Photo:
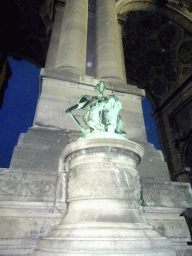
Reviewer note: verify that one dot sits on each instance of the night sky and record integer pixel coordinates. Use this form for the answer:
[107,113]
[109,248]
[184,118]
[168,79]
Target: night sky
[19,105]
[150,124]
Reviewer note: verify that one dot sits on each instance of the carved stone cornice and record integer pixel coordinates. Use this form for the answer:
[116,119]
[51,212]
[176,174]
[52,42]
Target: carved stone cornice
[167,194]
[19,186]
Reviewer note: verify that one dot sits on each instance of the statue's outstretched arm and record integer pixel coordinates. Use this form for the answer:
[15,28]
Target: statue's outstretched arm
[69,110]
[82,102]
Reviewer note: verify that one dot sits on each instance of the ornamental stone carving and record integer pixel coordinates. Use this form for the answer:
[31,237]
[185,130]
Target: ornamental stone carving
[157,52]
[185,52]
[27,185]
[166,194]
[119,183]
[169,35]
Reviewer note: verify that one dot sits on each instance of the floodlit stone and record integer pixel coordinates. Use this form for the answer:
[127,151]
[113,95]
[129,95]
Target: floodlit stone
[73,38]
[104,215]
[109,45]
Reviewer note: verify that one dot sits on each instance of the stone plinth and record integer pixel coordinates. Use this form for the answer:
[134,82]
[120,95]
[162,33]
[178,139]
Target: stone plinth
[163,207]
[103,214]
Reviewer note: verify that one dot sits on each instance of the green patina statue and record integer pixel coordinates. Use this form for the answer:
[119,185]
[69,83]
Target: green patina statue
[101,113]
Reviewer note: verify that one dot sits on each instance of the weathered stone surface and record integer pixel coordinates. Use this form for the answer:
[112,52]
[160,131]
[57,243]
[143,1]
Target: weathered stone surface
[103,215]
[30,206]
[54,40]
[67,76]
[109,47]
[23,220]
[153,167]
[112,185]
[168,222]
[35,158]
[39,150]
[163,203]
[21,190]
[167,194]
[71,53]
[184,252]
[49,184]
[17,186]
[175,229]
[43,138]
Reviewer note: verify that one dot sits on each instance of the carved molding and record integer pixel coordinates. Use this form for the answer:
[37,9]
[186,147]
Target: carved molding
[111,151]
[185,51]
[172,228]
[177,195]
[120,182]
[27,185]
[184,253]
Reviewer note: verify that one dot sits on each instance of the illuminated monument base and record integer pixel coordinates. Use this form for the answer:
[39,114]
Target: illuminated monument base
[104,214]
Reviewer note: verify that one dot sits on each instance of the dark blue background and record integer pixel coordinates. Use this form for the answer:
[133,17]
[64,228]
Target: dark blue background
[17,112]
[150,124]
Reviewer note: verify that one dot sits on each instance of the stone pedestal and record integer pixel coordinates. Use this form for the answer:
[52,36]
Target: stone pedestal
[103,216]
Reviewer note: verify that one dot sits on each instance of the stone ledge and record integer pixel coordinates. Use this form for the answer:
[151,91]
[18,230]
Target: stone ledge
[88,80]
[167,194]
[27,187]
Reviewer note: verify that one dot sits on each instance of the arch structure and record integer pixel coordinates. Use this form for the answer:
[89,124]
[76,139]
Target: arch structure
[157,41]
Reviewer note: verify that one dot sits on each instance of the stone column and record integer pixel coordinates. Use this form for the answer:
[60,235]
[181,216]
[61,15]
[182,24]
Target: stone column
[71,53]
[109,46]
[103,216]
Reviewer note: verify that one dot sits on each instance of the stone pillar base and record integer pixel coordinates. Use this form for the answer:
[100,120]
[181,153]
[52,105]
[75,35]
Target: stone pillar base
[103,216]
[70,69]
